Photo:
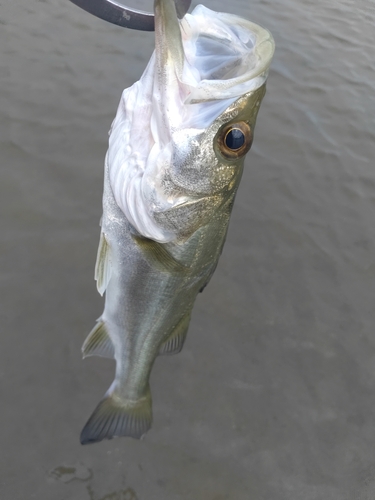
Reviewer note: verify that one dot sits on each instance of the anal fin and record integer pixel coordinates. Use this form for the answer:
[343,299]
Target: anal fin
[98,343]
[103,268]
[115,417]
[175,342]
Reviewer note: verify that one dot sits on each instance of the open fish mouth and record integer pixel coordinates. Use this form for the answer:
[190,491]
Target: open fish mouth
[214,56]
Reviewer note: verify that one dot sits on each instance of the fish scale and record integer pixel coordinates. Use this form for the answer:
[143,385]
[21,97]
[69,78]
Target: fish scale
[171,176]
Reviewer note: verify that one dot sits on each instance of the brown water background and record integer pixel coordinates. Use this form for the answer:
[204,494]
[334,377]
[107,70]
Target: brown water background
[273,395]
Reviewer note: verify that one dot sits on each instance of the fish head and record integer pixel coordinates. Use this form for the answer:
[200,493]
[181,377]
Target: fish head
[182,132]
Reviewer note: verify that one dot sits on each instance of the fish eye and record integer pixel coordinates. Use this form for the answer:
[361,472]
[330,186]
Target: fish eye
[234,140]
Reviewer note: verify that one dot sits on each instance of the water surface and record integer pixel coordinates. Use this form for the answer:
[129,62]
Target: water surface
[273,396]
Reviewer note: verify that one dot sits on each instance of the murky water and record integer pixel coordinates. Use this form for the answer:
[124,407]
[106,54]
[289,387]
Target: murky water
[273,396]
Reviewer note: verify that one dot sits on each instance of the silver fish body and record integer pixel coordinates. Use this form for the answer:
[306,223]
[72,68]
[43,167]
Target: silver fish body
[174,163]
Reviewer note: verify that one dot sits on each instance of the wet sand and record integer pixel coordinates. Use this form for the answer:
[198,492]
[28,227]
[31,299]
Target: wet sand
[273,395]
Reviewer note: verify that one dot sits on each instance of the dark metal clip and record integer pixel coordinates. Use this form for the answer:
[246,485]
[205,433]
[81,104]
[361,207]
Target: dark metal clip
[115,13]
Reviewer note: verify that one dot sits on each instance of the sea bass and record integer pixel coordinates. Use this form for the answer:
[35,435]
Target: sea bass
[172,170]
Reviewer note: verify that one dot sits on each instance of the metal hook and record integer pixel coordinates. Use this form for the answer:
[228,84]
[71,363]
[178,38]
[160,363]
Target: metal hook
[115,13]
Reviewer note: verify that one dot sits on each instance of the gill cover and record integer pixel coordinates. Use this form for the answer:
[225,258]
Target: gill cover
[161,155]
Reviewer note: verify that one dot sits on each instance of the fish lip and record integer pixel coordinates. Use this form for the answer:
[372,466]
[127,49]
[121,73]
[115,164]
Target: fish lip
[168,40]
[169,89]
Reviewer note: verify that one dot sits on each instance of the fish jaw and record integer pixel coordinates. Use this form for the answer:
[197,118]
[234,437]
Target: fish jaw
[169,50]
[168,90]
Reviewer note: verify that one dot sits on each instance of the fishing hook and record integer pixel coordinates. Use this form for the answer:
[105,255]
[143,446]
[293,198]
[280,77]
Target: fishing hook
[116,13]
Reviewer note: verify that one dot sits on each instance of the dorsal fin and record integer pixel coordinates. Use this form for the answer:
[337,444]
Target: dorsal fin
[103,268]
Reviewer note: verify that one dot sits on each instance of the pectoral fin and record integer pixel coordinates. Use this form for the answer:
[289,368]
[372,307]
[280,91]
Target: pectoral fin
[103,267]
[158,256]
[98,343]
[175,342]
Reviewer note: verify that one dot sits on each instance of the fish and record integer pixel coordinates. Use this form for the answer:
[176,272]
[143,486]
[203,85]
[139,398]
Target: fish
[172,170]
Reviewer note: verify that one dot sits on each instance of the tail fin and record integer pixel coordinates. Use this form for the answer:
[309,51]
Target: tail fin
[114,417]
